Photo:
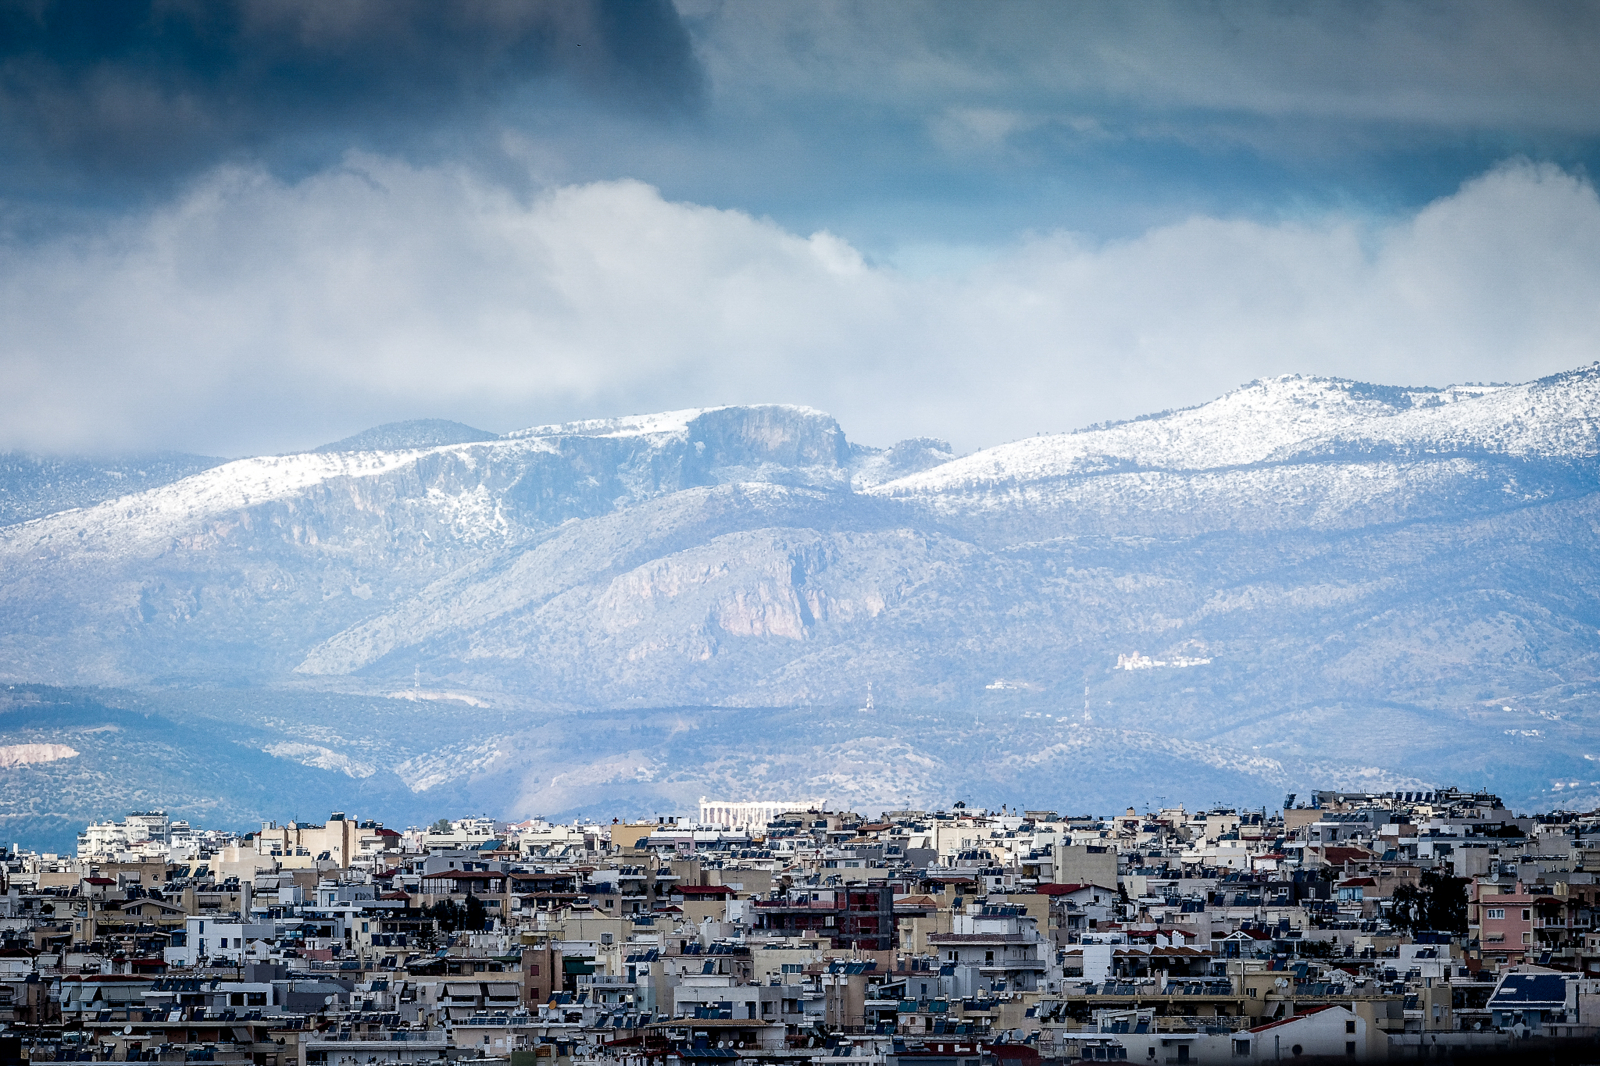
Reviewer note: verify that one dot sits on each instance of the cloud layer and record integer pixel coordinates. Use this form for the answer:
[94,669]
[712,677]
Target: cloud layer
[255,314]
[891,124]
[131,91]
[1474,63]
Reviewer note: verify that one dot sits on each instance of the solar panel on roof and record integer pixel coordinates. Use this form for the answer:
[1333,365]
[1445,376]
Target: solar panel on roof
[1530,990]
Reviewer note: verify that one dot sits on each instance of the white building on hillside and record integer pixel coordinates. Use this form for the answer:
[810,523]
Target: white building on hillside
[750,814]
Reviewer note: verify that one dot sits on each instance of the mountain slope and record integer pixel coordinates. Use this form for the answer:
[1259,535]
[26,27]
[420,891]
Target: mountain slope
[1300,565]
[32,486]
[418,433]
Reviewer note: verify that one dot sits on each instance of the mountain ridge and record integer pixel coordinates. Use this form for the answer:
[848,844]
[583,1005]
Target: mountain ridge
[417,433]
[754,557]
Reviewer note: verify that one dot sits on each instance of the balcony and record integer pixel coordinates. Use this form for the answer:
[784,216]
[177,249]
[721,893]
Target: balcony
[1012,966]
[503,1021]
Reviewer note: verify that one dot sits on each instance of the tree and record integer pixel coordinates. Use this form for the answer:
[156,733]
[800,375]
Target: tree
[1448,912]
[476,917]
[441,826]
[447,915]
[1437,902]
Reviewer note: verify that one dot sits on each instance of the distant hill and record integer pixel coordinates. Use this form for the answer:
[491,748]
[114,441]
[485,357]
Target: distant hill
[418,433]
[1328,583]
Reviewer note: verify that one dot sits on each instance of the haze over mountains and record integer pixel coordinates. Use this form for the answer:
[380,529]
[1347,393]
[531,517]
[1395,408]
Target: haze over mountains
[1325,582]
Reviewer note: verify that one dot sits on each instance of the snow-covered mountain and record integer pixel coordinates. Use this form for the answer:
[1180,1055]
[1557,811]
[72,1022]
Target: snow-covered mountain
[1303,565]
[32,486]
[1290,453]
[1296,419]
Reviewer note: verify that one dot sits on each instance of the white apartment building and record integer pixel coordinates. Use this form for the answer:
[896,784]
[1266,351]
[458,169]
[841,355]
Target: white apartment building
[215,938]
[750,814]
[139,828]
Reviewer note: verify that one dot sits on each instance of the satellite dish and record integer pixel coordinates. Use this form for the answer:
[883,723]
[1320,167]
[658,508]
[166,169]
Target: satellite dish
[126,1030]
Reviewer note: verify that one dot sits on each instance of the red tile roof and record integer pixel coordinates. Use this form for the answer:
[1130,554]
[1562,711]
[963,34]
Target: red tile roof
[1339,856]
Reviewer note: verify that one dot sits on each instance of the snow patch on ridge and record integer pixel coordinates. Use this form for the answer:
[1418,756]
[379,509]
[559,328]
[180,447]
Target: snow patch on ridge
[416,695]
[168,511]
[624,426]
[662,422]
[157,517]
[1297,418]
[448,764]
[315,755]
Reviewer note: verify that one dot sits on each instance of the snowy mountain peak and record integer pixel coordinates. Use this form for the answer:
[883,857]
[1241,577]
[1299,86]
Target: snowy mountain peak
[621,426]
[663,422]
[495,490]
[1296,418]
[1288,391]
[418,433]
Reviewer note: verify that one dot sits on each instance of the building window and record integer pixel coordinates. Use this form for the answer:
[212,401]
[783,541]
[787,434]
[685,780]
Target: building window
[1527,915]
[1350,1026]
[1496,914]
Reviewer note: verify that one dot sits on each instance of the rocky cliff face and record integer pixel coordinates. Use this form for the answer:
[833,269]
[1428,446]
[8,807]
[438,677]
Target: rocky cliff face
[1302,564]
[225,574]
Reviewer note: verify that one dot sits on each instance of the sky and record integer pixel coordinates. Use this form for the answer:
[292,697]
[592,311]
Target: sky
[233,227]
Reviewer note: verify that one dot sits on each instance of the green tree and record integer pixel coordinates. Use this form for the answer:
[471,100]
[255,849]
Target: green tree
[1407,906]
[476,917]
[447,915]
[441,826]
[1447,910]
[1437,902]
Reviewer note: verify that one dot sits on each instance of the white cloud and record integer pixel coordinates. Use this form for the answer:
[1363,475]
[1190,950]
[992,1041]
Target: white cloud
[983,128]
[260,315]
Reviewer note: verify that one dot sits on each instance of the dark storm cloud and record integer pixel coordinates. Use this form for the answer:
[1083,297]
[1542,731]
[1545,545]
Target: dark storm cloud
[231,226]
[142,89]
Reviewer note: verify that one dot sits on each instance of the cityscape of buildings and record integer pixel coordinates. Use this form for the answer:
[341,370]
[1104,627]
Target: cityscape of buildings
[1351,926]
